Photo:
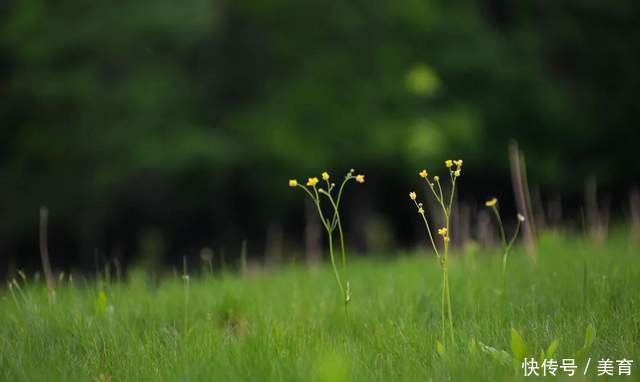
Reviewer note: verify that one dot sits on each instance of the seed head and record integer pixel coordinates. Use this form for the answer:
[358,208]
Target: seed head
[521,217]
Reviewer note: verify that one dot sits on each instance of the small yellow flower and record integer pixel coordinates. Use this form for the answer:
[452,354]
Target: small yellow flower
[360,178]
[446,238]
[420,210]
[436,178]
[456,173]
[413,195]
[312,181]
[293,183]
[443,231]
[325,176]
[491,202]
[423,174]
[521,217]
[458,162]
[448,163]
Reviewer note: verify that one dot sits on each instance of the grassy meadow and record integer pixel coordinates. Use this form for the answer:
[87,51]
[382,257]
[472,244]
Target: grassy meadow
[290,323]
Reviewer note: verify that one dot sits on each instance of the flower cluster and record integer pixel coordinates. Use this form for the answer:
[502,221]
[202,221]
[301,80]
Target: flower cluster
[446,203]
[332,222]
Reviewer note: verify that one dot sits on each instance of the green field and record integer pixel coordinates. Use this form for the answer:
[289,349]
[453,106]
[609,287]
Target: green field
[290,324]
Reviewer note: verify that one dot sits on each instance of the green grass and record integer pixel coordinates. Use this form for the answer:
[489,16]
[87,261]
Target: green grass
[290,324]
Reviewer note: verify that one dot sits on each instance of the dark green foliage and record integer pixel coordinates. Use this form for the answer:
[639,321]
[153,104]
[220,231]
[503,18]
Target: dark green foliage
[182,110]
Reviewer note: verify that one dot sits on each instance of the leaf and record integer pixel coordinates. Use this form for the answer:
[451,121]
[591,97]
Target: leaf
[589,337]
[101,304]
[518,346]
[542,356]
[473,346]
[551,350]
[440,348]
[499,355]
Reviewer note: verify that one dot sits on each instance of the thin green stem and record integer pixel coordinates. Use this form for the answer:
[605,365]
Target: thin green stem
[315,197]
[453,191]
[319,208]
[342,249]
[339,197]
[337,222]
[505,256]
[441,194]
[185,277]
[426,223]
[433,190]
[444,292]
[333,265]
[501,226]
[515,236]
[446,273]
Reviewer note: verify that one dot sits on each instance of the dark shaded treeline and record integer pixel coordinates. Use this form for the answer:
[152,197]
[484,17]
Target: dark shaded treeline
[151,127]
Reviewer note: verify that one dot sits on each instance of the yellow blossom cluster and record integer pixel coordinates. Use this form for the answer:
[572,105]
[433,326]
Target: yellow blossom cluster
[313,181]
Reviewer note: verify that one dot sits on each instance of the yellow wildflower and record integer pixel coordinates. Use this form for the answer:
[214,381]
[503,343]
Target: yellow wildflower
[293,183]
[325,176]
[491,202]
[443,231]
[360,178]
[458,162]
[420,210]
[436,178]
[412,195]
[312,181]
[456,173]
[448,163]
[423,173]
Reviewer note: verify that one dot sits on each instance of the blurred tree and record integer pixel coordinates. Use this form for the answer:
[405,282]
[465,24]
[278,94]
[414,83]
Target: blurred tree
[188,118]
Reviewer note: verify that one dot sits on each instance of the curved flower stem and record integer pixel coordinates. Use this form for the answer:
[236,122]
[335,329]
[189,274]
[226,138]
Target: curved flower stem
[453,191]
[503,237]
[445,270]
[426,223]
[447,208]
[329,228]
[507,249]
[335,269]
[342,250]
[442,305]
[433,190]
[448,289]
[441,194]
[337,223]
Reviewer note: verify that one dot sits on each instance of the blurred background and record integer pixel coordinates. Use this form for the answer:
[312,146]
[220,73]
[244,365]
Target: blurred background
[155,131]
